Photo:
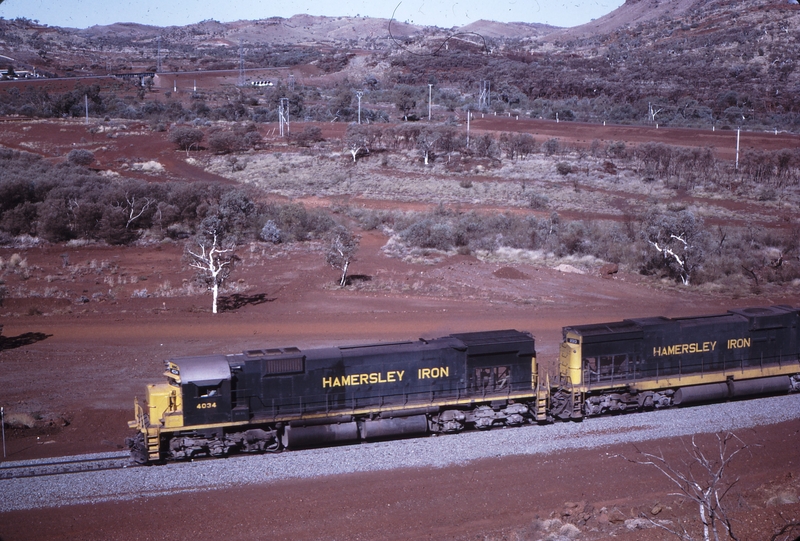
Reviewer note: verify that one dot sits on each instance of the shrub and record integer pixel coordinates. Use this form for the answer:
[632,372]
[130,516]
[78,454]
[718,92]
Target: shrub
[539,201]
[185,138]
[80,156]
[252,139]
[307,137]
[296,223]
[271,232]
[429,234]
[563,168]
[551,146]
[225,142]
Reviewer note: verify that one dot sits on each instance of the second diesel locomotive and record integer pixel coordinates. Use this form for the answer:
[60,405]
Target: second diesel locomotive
[661,362]
[271,399]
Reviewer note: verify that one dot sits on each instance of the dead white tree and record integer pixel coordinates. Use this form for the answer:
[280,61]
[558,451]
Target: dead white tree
[652,112]
[135,208]
[214,262]
[359,138]
[668,252]
[355,148]
[701,478]
[426,143]
[342,247]
[678,238]
[357,144]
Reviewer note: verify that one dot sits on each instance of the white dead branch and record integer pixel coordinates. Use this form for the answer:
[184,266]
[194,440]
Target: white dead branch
[702,480]
[212,261]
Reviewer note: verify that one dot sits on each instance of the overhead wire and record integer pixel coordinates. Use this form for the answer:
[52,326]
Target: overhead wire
[440,47]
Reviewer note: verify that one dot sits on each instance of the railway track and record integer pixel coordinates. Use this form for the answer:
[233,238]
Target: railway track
[65,465]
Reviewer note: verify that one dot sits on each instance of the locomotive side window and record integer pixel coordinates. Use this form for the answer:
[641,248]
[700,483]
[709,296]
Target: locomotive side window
[590,368]
[606,367]
[207,392]
[491,379]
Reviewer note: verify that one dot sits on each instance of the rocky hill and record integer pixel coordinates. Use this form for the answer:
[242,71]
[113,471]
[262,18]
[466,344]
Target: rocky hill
[683,62]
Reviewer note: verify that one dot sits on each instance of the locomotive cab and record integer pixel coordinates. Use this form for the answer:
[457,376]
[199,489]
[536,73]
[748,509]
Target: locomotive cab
[205,389]
[570,359]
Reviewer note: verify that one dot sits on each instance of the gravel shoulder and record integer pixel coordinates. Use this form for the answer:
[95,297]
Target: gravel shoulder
[432,452]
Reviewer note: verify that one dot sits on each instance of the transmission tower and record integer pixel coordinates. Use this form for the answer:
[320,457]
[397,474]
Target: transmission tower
[485,98]
[283,115]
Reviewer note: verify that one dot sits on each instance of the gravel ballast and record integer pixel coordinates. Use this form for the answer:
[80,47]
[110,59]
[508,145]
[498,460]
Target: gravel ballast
[425,452]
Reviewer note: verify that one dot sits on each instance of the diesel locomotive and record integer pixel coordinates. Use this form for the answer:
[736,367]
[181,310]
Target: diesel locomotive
[286,398]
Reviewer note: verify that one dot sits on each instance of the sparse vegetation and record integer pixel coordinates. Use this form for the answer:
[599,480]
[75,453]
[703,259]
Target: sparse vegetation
[68,202]
[551,177]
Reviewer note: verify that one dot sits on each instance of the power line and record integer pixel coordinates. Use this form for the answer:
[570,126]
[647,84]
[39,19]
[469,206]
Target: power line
[440,47]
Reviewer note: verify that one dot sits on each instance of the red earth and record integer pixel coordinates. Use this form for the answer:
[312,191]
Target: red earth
[77,366]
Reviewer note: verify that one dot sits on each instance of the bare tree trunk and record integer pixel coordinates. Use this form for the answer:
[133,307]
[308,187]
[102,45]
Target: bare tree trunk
[343,281]
[214,296]
[704,520]
[214,263]
[701,480]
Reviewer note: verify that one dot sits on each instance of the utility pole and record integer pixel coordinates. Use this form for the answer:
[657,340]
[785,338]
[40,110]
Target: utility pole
[86,104]
[738,132]
[158,56]
[468,115]
[430,97]
[3,424]
[241,63]
[359,93]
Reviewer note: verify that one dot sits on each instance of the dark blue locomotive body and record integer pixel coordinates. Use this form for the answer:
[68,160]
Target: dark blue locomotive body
[662,362]
[294,398]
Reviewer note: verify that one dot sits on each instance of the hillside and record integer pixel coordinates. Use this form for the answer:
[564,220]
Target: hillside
[634,12]
[698,63]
